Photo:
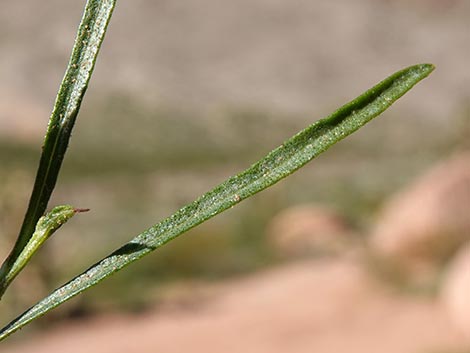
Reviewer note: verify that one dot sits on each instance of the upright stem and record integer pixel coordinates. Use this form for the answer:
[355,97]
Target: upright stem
[90,35]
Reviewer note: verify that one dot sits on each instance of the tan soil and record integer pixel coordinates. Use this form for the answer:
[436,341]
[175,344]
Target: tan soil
[323,306]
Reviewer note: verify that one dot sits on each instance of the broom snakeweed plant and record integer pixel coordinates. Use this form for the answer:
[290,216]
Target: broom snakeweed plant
[279,163]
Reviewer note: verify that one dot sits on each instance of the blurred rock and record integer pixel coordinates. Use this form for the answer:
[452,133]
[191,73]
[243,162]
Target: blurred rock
[422,226]
[456,291]
[307,229]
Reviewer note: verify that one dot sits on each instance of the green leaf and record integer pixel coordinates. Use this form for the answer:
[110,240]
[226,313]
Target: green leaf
[71,92]
[284,160]
[45,227]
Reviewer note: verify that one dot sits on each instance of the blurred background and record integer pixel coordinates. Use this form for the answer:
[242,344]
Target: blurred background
[361,250]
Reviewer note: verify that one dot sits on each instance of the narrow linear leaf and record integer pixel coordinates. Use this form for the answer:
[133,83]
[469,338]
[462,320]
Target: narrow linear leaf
[46,226]
[90,35]
[278,164]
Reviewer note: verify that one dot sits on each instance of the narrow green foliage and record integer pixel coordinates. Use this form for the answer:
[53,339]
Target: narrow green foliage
[278,164]
[45,227]
[74,84]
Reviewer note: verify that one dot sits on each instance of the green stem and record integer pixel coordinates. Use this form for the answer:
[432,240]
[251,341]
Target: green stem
[71,92]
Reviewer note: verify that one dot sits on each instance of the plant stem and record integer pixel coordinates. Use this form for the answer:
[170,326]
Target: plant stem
[90,35]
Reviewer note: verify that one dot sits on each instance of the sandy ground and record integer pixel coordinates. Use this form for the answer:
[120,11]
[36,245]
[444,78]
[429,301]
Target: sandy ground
[286,56]
[328,306]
